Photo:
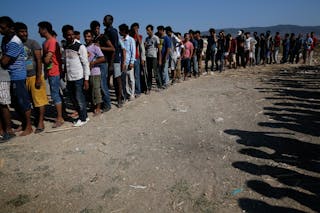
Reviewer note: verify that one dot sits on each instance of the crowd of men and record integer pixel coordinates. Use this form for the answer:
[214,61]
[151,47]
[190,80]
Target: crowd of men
[123,56]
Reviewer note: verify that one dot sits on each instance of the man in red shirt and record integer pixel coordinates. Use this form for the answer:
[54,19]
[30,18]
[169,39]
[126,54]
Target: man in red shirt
[53,67]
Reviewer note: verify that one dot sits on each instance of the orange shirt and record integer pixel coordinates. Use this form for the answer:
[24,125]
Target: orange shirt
[51,45]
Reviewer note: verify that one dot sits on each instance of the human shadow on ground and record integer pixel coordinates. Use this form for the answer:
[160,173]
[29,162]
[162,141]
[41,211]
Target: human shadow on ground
[285,161]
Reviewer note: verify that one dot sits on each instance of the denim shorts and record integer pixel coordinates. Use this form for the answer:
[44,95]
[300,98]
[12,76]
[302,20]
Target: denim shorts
[54,83]
[116,70]
[20,96]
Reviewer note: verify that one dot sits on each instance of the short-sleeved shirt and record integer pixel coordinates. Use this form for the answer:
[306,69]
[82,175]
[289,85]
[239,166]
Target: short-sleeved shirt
[112,33]
[94,52]
[152,46]
[14,49]
[51,45]
[188,46]
[29,47]
[102,39]
[165,43]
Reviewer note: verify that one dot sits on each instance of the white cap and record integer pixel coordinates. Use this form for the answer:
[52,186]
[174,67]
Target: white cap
[239,32]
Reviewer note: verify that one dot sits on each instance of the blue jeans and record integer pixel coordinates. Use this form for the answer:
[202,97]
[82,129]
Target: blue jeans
[195,64]
[164,73]
[104,85]
[54,83]
[137,76]
[77,94]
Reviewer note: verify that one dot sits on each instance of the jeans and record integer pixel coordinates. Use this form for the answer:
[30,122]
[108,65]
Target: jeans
[195,65]
[210,56]
[137,76]
[164,73]
[104,85]
[77,94]
[54,83]
[185,65]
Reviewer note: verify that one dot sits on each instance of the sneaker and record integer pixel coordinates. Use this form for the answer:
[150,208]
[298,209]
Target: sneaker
[80,123]
[131,98]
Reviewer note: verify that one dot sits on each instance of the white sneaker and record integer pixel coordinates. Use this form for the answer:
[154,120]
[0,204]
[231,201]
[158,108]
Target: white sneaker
[79,123]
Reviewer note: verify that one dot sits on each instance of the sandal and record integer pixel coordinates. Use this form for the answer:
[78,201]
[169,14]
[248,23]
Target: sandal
[57,124]
[38,130]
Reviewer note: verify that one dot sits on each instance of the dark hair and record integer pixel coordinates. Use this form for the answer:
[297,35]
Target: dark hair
[54,33]
[160,28]
[212,30]
[185,34]
[149,26]
[20,26]
[66,28]
[76,32]
[134,25]
[94,24]
[197,32]
[46,25]
[124,28]
[87,31]
[191,32]
[109,17]
[168,29]
[7,20]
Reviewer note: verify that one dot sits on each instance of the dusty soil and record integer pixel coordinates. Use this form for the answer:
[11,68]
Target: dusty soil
[239,141]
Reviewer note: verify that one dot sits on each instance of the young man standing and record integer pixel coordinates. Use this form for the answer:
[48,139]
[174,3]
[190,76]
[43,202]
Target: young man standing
[96,57]
[13,59]
[35,83]
[211,50]
[114,60]
[53,67]
[107,49]
[199,51]
[277,42]
[152,43]
[163,59]
[78,72]
[130,47]
[187,52]
[173,56]
[140,57]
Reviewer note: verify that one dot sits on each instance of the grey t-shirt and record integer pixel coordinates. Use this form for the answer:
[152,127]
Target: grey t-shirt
[152,46]
[29,47]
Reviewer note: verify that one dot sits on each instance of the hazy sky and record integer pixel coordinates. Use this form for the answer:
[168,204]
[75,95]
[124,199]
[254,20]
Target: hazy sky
[181,15]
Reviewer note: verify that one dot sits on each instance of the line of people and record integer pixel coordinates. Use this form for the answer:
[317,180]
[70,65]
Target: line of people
[131,62]
[244,49]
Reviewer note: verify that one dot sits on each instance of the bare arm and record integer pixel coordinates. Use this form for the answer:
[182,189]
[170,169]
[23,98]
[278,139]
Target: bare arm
[37,57]
[5,61]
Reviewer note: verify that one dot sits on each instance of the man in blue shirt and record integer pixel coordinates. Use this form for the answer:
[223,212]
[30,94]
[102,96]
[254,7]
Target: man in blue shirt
[130,47]
[163,59]
[13,59]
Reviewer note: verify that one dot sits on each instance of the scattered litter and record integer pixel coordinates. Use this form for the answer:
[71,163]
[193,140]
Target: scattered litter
[181,203]
[218,120]
[236,191]
[138,186]
[164,121]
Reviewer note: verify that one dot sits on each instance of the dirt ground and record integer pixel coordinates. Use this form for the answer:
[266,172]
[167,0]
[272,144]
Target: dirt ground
[237,141]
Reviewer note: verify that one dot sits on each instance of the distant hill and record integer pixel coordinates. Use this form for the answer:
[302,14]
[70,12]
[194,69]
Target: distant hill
[282,29]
